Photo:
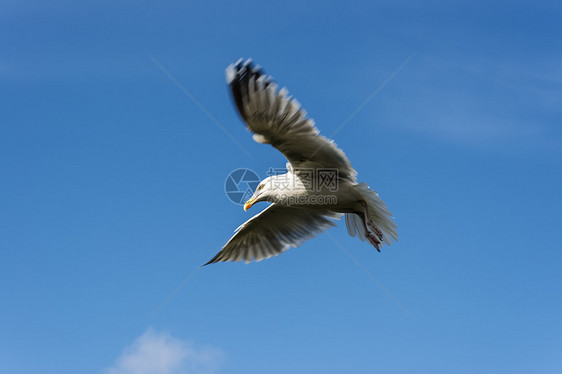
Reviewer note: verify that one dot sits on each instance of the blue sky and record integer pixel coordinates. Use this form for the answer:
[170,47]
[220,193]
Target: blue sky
[112,188]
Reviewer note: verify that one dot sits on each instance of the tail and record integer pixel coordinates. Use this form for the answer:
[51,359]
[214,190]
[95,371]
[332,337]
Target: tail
[378,213]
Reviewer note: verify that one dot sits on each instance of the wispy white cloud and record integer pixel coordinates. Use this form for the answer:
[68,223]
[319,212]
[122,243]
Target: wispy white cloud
[482,102]
[160,353]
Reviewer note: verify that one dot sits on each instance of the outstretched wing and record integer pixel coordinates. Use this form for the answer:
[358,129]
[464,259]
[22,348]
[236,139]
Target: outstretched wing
[277,119]
[273,231]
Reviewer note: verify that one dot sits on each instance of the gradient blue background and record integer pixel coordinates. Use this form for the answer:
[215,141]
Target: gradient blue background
[112,185]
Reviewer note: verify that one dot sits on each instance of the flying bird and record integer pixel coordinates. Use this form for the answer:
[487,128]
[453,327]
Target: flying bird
[320,184]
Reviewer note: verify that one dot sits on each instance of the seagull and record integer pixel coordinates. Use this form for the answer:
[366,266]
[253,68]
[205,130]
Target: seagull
[320,185]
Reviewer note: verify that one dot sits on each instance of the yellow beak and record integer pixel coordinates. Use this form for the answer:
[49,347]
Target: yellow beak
[249,203]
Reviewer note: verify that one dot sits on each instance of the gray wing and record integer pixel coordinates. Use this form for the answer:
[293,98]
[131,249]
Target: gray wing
[277,119]
[273,231]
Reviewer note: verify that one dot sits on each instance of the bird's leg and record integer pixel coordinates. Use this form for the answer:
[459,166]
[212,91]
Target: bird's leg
[372,232]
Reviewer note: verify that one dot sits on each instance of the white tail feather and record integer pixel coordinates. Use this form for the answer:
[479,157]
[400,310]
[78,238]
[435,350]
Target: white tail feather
[355,226]
[378,213]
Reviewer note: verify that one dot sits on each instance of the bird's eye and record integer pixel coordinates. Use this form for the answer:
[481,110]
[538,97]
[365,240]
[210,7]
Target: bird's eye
[260,187]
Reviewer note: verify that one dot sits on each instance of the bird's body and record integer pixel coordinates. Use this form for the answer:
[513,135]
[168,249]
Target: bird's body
[338,199]
[319,186]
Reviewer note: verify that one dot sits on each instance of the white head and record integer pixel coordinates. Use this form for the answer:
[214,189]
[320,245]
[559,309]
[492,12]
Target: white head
[264,192]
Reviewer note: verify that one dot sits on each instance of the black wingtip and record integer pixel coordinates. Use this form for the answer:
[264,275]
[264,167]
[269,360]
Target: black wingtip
[237,71]
[238,77]
[213,260]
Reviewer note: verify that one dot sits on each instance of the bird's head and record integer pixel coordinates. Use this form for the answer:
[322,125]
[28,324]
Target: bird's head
[263,192]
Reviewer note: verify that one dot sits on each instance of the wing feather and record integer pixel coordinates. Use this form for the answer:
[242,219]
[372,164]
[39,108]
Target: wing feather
[273,231]
[278,119]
